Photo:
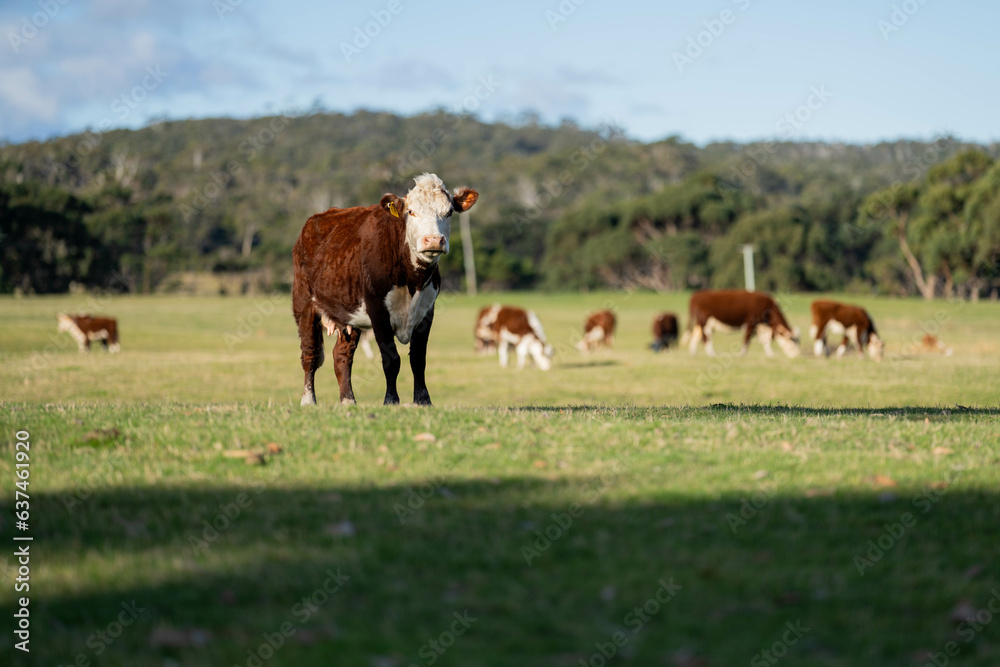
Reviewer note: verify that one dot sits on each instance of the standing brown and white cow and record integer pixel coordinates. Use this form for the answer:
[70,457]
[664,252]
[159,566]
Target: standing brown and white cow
[373,267]
[751,312]
[598,330]
[854,323]
[665,331]
[512,327]
[85,328]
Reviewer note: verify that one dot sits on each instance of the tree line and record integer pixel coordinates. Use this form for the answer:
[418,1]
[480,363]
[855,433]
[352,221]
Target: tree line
[563,207]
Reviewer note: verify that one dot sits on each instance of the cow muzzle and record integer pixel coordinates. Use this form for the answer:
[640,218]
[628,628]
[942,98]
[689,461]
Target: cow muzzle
[433,244]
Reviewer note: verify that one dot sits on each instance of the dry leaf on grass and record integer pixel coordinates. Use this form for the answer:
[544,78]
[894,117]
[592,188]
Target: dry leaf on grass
[274,448]
[941,451]
[425,437]
[882,480]
[492,445]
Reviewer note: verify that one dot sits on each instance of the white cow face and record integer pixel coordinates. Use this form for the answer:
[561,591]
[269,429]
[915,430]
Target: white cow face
[427,210]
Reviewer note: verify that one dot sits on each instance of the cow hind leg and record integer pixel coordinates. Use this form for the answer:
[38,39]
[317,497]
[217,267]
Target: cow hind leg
[311,344]
[819,340]
[748,332]
[696,335]
[343,362]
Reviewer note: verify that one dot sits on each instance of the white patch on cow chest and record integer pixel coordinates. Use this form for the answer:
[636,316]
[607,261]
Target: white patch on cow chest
[359,318]
[406,311]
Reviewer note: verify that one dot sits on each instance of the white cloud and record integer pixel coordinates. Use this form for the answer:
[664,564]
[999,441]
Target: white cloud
[20,90]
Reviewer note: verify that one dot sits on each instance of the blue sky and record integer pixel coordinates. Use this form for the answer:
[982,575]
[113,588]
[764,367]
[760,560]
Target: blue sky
[845,70]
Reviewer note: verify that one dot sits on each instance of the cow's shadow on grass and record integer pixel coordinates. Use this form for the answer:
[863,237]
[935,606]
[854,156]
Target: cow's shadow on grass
[377,575]
[595,363]
[731,410]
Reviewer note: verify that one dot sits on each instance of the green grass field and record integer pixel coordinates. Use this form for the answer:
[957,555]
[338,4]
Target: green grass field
[623,507]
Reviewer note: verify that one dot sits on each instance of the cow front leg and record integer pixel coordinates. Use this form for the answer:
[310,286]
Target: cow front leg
[418,358]
[387,346]
[522,352]
[343,362]
[766,335]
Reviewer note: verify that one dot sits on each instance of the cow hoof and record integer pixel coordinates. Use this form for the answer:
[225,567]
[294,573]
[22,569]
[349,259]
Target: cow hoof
[348,401]
[308,399]
[391,400]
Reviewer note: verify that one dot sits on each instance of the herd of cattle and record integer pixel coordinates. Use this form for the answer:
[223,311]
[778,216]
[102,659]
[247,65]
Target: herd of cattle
[502,328]
[374,269]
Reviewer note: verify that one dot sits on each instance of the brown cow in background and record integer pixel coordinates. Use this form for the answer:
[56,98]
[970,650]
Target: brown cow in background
[598,330]
[930,343]
[373,267]
[85,328]
[730,310]
[854,323]
[665,331]
[512,327]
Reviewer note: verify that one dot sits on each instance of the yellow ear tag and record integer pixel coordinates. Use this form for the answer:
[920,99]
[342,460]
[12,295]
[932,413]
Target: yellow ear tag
[392,209]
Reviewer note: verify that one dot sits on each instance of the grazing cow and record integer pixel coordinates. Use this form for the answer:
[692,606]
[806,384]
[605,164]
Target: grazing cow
[85,328]
[728,310]
[665,331]
[854,323]
[930,344]
[515,327]
[486,343]
[598,330]
[373,267]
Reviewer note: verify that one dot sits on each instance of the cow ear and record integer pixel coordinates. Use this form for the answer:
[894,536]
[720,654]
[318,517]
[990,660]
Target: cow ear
[465,198]
[393,204]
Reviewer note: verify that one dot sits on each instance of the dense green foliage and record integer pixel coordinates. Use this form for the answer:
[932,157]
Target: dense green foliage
[561,207]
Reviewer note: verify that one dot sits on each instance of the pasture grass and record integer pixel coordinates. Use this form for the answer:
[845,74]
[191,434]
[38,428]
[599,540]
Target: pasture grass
[752,484]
